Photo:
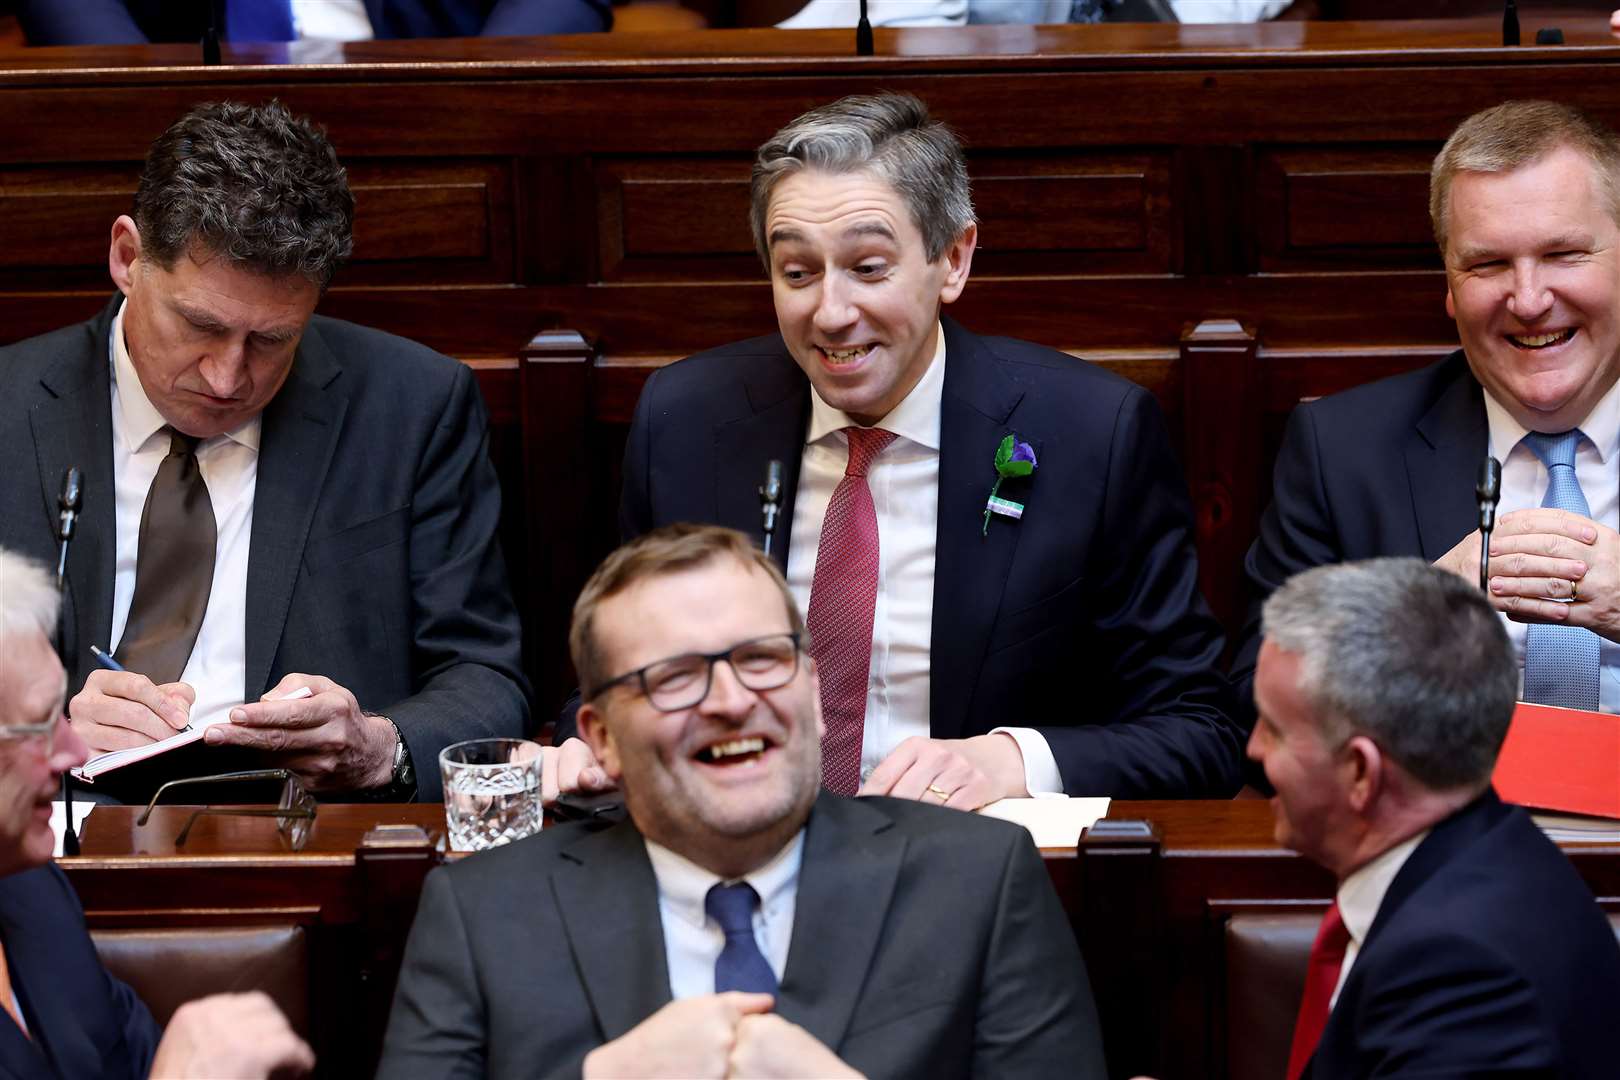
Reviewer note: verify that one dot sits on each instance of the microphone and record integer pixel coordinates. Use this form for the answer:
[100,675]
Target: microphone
[863,34]
[210,41]
[1487,489]
[1510,24]
[68,503]
[770,500]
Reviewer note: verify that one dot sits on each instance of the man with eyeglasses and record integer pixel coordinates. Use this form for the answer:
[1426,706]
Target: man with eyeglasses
[64,1014]
[742,922]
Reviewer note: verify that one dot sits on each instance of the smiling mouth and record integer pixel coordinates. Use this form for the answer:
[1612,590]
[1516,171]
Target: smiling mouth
[843,357]
[739,751]
[1540,341]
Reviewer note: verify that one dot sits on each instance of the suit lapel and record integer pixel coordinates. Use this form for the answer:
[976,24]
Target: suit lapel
[300,430]
[607,897]
[57,1043]
[1442,459]
[970,566]
[779,400]
[74,427]
[850,851]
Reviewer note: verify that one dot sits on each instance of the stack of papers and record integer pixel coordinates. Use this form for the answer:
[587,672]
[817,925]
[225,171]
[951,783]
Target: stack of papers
[1567,828]
[1053,820]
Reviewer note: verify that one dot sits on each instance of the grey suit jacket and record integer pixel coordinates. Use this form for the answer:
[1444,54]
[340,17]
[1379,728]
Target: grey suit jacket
[373,556]
[926,942]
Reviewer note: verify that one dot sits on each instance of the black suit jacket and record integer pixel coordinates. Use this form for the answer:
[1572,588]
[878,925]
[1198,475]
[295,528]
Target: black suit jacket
[373,556]
[82,1022]
[1082,620]
[1488,958]
[134,22]
[926,943]
[1383,469]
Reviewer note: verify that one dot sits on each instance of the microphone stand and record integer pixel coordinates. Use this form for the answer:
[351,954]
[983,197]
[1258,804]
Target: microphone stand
[1488,490]
[1510,23]
[68,504]
[863,34]
[210,41]
[770,500]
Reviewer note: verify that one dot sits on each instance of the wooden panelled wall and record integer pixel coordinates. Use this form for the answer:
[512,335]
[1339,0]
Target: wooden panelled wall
[1132,182]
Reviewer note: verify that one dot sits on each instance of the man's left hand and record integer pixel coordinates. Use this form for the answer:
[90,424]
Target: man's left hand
[771,1048]
[960,773]
[324,738]
[1533,599]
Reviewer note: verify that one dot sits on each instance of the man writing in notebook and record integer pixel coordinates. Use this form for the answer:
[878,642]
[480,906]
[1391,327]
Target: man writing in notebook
[274,502]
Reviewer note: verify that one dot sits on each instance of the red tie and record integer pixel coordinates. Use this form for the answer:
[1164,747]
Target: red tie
[843,597]
[1327,956]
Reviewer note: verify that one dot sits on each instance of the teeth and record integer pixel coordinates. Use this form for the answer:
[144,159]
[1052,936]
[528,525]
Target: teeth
[844,356]
[1537,341]
[734,748]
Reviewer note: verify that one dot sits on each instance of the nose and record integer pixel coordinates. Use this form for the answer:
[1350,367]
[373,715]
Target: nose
[1252,748]
[728,698]
[224,368]
[834,310]
[68,748]
[1530,299]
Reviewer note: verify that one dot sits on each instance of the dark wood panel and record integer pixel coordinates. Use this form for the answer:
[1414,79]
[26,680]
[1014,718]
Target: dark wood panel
[1359,207]
[674,217]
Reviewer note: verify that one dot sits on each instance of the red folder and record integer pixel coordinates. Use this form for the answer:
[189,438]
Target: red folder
[1561,759]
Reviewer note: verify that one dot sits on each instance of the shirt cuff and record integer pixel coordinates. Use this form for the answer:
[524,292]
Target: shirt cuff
[1041,774]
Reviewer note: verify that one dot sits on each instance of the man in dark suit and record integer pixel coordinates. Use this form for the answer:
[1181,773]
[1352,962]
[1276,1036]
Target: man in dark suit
[348,542]
[1028,616]
[1461,942]
[1524,212]
[742,922]
[64,1015]
[135,22]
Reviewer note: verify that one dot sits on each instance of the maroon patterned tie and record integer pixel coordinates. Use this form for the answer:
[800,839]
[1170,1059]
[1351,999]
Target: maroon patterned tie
[843,597]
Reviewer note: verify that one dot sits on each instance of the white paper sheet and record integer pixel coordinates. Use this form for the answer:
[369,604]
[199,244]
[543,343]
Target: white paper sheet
[1053,820]
[81,810]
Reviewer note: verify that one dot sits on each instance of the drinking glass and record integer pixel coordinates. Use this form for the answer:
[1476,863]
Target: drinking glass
[491,792]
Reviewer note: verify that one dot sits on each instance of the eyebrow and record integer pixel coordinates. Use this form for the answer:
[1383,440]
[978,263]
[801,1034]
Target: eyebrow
[197,317]
[786,234]
[1563,242]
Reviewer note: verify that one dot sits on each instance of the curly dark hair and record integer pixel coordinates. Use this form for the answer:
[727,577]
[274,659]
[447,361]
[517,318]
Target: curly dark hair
[256,184]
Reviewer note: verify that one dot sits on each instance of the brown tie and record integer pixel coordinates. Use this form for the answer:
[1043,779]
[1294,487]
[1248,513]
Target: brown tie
[174,567]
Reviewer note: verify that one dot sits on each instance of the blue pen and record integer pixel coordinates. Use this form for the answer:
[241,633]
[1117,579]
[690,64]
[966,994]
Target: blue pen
[106,661]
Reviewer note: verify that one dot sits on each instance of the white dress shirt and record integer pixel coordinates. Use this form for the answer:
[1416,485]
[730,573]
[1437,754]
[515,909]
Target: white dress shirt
[1524,485]
[692,940]
[904,480]
[1360,896]
[331,20]
[229,464]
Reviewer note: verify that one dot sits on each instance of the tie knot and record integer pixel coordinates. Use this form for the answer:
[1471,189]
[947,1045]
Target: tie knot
[1555,449]
[865,443]
[181,443]
[732,906]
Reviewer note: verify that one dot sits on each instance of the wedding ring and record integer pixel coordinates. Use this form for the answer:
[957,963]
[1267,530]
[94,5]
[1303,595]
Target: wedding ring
[1574,591]
[941,792]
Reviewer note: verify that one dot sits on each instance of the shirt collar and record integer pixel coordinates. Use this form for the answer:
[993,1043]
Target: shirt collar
[683,885]
[1601,426]
[915,418]
[140,418]
[1363,891]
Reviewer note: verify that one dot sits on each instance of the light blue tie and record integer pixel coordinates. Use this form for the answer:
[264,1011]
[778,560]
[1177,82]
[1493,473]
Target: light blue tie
[1561,662]
[259,20]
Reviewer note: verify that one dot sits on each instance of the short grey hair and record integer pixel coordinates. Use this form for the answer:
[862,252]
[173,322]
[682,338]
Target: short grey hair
[28,597]
[889,135]
[1514,134]
[1410,656]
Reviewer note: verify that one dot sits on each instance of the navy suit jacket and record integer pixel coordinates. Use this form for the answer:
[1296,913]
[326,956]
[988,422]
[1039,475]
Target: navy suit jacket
[82,1022]
[135,22]
[1383,469]
[1488,958]
[926,943]
[1082,620]
[373,557]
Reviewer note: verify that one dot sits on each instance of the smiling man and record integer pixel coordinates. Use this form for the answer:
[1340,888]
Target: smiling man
[1525,201]
[1460,942]
[742,922]
[1050,639]
[273,500]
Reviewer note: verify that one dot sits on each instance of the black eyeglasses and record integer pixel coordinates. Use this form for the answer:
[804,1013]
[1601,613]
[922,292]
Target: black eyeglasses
[294,814]
[680,682]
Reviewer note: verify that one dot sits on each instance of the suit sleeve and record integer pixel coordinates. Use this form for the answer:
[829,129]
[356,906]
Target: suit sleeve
[1036,1016]
[436,1028]
[520,18]
[1162,724]
[466,653]
[82,22]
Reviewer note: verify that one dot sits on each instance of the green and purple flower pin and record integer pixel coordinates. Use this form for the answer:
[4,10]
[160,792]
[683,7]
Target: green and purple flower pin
[1013,458]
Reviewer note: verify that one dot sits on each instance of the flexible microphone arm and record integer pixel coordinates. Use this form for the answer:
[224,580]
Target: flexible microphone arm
[1510,23]
[770,500]
[68,503]
[863,34]
[1487,489]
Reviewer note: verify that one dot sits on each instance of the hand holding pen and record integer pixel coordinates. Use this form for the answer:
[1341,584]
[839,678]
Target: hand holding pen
[118,709]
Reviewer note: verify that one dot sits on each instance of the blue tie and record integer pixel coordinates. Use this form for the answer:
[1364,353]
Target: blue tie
[741,966]
[1561,662]
[259,20]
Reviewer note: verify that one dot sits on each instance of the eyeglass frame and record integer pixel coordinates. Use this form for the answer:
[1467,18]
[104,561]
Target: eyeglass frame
[640,674]
[24,732]
[296,804]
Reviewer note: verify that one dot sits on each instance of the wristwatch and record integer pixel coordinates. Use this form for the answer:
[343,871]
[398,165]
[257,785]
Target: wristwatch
[401,786]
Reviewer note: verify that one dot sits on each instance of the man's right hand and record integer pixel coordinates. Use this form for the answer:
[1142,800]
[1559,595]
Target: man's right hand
[570,769]
[120,709]
[1540,550]
[690,1038]
[229,1037]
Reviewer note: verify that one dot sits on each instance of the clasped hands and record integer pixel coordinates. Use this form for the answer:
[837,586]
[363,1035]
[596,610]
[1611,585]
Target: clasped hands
[1548,566]
[716,1036]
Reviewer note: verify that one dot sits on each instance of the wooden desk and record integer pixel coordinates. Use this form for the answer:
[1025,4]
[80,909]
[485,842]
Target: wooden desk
[1149,911]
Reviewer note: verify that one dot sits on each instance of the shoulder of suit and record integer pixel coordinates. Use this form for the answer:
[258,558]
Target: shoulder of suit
[938,825]
[537,854]
[1400,399]
[33,357]
[363,349]
[1053,369]
[737,358]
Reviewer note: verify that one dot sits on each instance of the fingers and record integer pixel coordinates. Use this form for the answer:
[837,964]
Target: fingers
[929,770]
[121,709]
[321,707]
[1544,520]
[1548,588]
[739,1003]
[1531,610]
[892,768]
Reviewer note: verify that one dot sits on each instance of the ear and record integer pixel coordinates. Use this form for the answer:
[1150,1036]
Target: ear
[959,263]
[593,728]
[124,252]
[1365,770]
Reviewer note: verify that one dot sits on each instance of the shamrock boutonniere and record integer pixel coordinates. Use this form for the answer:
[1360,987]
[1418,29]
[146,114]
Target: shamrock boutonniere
[1013,458]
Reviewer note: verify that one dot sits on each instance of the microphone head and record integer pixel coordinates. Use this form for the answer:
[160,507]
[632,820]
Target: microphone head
[72,496]
[1489,485]
[773,480]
